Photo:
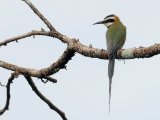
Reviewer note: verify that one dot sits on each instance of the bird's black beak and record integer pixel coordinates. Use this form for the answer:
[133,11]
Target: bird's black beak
[100,22]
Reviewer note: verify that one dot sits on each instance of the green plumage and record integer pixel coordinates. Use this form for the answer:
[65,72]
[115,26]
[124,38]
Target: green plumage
[115,36]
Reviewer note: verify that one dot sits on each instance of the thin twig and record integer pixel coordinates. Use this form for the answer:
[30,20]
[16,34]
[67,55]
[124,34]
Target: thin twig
[2,85]
[6,107]
[50,79]
[37,12]
[20,37]
[40,95]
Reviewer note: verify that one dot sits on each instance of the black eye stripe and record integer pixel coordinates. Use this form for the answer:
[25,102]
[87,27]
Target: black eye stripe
[109,20]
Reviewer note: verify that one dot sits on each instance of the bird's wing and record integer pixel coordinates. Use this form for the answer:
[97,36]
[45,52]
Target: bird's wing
[115,44]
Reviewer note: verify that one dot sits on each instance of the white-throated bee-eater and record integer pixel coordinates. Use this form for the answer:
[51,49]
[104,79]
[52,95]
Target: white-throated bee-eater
[115,39]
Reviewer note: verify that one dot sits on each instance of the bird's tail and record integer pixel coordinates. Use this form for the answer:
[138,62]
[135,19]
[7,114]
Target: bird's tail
[110,75]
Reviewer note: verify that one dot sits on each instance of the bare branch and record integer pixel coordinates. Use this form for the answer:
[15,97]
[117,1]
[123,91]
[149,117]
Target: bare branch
[6,107]
[43,73]
[141,52]
[50,79]
[59,64]
[29,34]
[146,52]
[132,53]
[39,94]
[36,11]
[56,34]
[75,45]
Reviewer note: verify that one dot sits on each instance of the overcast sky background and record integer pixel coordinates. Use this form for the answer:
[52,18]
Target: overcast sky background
[82,89]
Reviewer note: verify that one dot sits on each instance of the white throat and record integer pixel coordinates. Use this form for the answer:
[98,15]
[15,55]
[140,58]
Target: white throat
[108,24]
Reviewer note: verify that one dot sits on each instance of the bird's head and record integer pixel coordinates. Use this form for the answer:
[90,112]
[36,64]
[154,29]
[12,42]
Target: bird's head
[108,20]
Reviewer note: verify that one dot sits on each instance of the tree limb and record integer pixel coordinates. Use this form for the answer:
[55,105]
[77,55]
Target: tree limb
[36,11]
[76,46]
[73,46]
[96,53]
[20,37]
[43,73]
[6,107]
[40,95]
[50,79]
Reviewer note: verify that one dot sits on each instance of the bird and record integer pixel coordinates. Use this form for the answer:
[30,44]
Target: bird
[115,39]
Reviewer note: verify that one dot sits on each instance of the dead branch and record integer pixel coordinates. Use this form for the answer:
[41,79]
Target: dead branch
[36,11]
[40,95]
[20,37]
[96,53]
[6,107]
[43,73]
[50,79]
[73,46]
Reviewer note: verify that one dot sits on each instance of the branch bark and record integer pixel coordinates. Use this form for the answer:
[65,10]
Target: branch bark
[36,11]
[73,46]
[45,72]
[42,97]
[6,107]
[20,37]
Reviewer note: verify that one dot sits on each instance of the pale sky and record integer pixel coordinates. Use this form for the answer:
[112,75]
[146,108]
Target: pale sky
[82,89]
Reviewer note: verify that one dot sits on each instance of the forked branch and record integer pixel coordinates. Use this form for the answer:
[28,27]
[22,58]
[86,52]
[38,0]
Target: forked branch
[45,72]
[73,46]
